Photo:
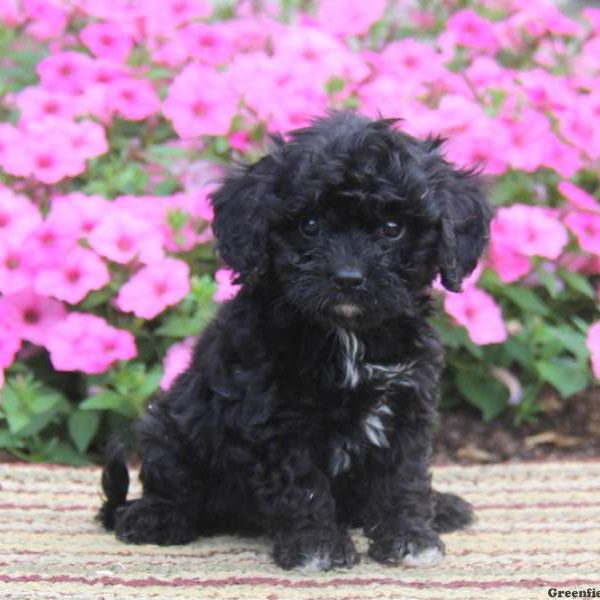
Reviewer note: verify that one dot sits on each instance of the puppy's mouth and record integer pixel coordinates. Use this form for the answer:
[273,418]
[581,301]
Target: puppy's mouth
[346,310]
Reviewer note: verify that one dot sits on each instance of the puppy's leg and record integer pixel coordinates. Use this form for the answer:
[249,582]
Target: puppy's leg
[399,518]
[295,499]
[399,513]
[167,513]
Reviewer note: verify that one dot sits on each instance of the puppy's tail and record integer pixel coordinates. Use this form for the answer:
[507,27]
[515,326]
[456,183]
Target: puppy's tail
[115,483]
[451,512]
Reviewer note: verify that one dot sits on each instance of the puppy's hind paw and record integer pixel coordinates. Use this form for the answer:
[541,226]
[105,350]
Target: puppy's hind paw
[153,521]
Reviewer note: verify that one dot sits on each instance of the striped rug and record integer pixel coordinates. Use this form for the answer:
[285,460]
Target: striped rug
[538,528]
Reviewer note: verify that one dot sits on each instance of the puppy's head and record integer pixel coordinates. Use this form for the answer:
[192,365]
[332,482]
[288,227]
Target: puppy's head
[351,220]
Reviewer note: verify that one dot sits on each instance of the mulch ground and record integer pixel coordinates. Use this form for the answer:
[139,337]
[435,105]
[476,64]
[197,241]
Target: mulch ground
[564,430]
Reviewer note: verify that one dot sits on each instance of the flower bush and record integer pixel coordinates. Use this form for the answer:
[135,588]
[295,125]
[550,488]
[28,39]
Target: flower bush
[118,118]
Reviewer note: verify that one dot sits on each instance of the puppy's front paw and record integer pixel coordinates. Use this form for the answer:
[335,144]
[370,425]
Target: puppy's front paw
[425,549]
[314,553]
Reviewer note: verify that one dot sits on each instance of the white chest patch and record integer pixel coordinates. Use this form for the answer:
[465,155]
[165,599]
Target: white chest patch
[374,425]
[382,377]
[352,353]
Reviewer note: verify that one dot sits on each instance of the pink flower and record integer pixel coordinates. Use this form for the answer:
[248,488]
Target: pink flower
[200,102]
[410,58]
[472,31]
[564,159]
[485,144]
[170,14]
[32,316]
[154,288]
[18,217]
[226,289]
[586,227]
[240,141]
[529,230]
[15,158]
[133,99]
[53,158]
[121,238]
[529,136]
[16,268]
[10,13]
[48,244]
[509,264]
[593,344]
[578,198]
[10,343]
[46,19]
[84,342]
[316,58]
[68,72]
[77,213]
[107,40]
[348,17]
[592,15]
[87,139]
[210,44]
[106,71]
[177,359]
[477,311]
[578,127]
[37,103]
[80,272]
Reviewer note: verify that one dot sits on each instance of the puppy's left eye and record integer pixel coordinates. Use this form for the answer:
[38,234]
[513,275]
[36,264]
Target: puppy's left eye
[392,230]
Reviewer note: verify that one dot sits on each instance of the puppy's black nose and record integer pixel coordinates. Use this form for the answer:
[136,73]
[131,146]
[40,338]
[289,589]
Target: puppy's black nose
[348,277]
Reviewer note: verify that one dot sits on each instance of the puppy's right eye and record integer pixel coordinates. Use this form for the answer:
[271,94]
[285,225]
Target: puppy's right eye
[310,226]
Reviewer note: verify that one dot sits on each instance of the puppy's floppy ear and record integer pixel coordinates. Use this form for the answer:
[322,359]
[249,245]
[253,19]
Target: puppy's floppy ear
[240,224]
[464,225]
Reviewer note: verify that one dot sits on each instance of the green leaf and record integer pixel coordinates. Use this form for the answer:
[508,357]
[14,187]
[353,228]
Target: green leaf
[525,299]
[578,283]
[565,374]
[108,400]
[572,340]
[483,392]
[182,327]
[83,426]
[150,383]
[64,454]
[519,350]
[97,298]
[15,413]
[221,145]
[549,281]
[334,85]
[456,336]
[167,186]
[9,441]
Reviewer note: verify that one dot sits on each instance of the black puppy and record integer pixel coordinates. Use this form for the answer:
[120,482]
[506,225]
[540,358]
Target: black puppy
[310,402]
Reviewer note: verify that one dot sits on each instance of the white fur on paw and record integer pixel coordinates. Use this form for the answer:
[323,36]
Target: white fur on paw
[429,557]
[316,562]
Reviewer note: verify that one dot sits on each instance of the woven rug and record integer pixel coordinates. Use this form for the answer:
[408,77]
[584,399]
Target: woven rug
[538,528]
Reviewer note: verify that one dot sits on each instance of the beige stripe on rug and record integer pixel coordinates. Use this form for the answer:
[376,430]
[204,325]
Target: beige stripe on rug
[538,528]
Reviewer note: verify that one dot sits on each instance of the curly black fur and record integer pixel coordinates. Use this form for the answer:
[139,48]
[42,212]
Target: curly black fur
[311,398]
